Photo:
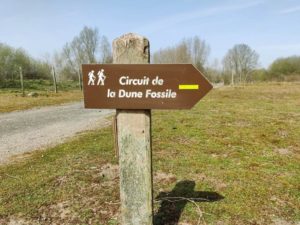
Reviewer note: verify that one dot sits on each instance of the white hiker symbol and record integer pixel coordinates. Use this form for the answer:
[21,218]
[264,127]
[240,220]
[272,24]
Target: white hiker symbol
[91,78]
[101,77]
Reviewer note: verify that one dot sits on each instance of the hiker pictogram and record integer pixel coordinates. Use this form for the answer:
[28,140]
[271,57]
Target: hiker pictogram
[101,77]
[91,78]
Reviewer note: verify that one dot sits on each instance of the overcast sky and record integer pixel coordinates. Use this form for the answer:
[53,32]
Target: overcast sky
[271,27]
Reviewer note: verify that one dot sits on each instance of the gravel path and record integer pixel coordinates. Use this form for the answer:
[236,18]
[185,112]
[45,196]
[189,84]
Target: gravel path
[28,130]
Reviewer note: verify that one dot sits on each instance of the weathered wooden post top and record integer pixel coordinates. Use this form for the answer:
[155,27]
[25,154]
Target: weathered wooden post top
[134,87]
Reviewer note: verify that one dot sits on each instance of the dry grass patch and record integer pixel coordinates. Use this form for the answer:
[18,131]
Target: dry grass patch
[14,101]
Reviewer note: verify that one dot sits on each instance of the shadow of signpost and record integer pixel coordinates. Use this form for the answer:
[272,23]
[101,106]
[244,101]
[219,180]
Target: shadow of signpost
[173,203]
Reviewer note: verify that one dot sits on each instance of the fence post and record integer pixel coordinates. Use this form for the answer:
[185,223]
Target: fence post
[134,141]
[79,79]
[54,79]
[22,81]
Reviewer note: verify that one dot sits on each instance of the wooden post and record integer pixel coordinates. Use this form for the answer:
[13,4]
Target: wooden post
[79,79]
[54,79]
[22,82]
[134,141]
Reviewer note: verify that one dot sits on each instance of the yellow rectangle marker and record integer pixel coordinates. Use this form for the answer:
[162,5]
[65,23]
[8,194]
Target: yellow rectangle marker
[188,86]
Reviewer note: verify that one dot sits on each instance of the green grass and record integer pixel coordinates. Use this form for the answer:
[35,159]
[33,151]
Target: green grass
[241,143]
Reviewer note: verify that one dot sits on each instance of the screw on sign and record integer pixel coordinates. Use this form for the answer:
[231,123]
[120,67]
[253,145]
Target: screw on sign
[143,86]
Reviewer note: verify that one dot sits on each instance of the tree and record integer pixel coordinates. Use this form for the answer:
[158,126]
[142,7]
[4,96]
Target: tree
[6,61]
[199,51]
[239,62]
[87,47]
[87,44]
[213,72]
[82,49]
[12,59]
[260,75]
[22,59]
[192,50]
[285,68]
[105,51]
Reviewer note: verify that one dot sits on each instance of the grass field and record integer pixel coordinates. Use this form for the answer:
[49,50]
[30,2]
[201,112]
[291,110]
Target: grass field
[11,99]
[233,159]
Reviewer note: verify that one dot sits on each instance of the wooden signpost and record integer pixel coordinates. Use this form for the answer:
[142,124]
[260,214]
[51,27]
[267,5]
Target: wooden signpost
[134,87]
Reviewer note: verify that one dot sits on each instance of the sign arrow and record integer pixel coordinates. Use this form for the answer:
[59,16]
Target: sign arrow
[143,86]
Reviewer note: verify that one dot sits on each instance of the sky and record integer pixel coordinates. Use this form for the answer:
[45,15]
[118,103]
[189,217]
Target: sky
[42,27]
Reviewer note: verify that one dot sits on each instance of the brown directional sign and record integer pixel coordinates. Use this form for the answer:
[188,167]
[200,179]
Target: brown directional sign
[143,86]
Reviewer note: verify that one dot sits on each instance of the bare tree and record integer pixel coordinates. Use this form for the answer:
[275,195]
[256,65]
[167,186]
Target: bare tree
[213,72]
[83,48]
[105,50]
[87,43]
[199,51]
[192,50]
[240,61]
[87,47]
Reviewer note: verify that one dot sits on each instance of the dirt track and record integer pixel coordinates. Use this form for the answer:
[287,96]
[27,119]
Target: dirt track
[29,130]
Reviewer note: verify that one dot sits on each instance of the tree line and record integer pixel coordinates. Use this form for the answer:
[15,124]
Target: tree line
[239,65]
[12,59]
[87,47]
